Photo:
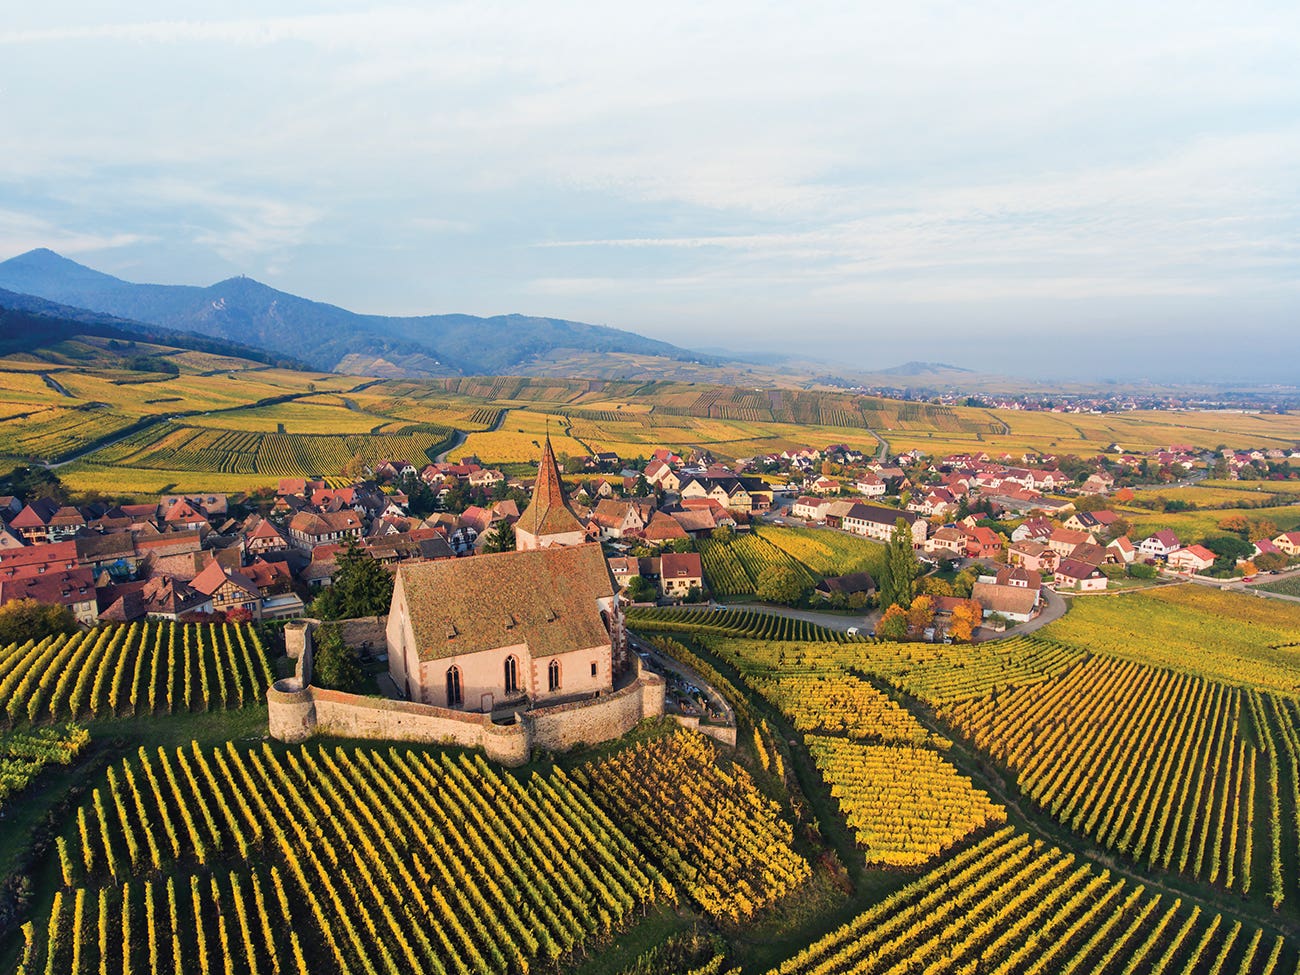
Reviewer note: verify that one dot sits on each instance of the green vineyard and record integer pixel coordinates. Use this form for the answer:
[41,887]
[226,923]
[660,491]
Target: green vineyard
[143,668]
[366,861]
[171,446]
[732,622]
[711,828]
[1148,762]
[906,805]
[56,433]
[732,567]
[1008,905]
[25,754]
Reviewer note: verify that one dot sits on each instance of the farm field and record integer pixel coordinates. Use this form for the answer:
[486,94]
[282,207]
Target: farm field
[906,805]
[1015,905]
[519,440]
[142,668]
[1287,587]
[329,859]
[1225,636]
[712,828]
[1151,763]
[25,754]
[314,414]
[732,566]
[1198,524]
[263,457]
[632,418]
[1201,496]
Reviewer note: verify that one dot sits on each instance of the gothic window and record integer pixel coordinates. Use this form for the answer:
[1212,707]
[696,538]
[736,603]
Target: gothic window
[453,687]
[512,675]
[553,676]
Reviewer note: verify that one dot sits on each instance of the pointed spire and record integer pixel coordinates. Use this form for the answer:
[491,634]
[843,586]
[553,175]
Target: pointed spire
[548,513]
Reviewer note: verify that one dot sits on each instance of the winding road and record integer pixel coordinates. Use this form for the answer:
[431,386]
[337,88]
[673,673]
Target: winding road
[1055,607]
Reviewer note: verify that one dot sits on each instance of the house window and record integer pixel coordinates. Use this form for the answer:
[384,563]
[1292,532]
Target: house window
[512,675]
[553,676]
[453,687]
[593,668]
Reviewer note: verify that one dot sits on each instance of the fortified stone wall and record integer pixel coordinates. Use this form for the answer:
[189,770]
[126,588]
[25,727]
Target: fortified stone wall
[564,726]
[725,735]
[297,711]
[368,633]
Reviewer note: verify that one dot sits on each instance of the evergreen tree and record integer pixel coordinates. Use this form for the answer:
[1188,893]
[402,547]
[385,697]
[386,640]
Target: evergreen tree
[898,585]
[334,663]
[361,587]
[501,538]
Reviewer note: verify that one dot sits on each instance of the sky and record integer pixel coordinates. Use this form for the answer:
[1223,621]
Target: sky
[1050,189]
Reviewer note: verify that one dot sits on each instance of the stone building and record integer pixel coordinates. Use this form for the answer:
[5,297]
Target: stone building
[535,626]
[548,520]
[528,628]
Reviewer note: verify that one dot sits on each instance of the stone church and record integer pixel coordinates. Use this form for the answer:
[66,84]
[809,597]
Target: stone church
[537,626]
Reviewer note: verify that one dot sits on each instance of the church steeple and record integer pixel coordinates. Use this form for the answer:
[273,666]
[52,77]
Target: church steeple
[548,519]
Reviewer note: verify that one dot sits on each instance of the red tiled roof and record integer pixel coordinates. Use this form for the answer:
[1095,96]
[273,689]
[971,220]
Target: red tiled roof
[548,513]
[545,598]
[681,565]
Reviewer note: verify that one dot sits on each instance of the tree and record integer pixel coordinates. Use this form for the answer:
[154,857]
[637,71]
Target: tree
[239,614]
[779,584]
[934,586]
[361,587]
[501,538]
[966,618]
[1124,495]
[1261,530]
[965,582]
[722,534]
[26,619]
[1229,549]
[334,664]
[893,625]
[642,590]
[920,616]
[1237,524]
[30,483]
[641,487]
[1270,562]
[354,468]
[420,499]
[898,584]
[1090,502]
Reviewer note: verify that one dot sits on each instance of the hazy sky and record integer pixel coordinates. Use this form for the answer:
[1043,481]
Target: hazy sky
[1104,188]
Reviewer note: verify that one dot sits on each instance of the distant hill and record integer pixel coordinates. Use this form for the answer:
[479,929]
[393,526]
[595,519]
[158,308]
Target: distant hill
[922,369]
[326,336]
[28,323]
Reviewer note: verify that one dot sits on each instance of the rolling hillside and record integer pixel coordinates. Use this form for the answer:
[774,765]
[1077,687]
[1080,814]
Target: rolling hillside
[326,336]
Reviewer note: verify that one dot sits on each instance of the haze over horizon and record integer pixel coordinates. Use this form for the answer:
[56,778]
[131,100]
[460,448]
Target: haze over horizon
[1046,190]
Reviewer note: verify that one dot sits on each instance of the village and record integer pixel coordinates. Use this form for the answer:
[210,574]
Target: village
[265,556]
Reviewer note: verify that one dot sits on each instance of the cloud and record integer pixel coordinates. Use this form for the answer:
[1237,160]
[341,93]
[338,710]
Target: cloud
[21,232]
[679,164]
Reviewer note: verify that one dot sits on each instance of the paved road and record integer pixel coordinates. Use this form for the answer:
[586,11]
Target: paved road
[1056,607]
[832,621]
[663,662]
[1237,585]
[458,437]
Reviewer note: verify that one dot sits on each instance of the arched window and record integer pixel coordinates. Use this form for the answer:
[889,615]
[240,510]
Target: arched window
[553,676]
[453,687]
[512,675]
